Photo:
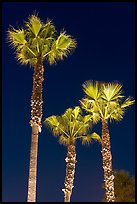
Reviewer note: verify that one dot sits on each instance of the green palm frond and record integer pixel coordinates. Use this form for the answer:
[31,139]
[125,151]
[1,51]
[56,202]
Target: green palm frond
[63,140]
[34,24]
[92,89]
[76,112]
[53,123]
[88,139]
[96,117]
[16,38]
[61,47]
[111,91]
[128,102]
[87,118]
[48,30]
[117,114]
[86,104]
[65,43]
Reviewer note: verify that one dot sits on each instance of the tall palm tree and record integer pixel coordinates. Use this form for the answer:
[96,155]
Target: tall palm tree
[69,127]
[33,44]
[104,101]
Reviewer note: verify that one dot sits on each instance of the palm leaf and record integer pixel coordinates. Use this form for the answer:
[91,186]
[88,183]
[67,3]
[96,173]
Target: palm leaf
[63,140]
[76,112]
[65,43]
[128,102]
[34,24]
[92,89]
[48,30]
[61,47]
[88,139]
[16,37]
[111,91]
[52,120]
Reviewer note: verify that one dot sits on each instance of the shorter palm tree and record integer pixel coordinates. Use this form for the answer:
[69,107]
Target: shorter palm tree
[69,127]
[104,101]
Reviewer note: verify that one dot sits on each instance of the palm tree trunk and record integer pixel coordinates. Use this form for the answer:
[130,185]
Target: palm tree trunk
[107,163]
[70,170]
[35,122]
[33,165]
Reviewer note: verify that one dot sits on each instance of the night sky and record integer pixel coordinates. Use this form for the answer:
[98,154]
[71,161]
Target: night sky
[105,34]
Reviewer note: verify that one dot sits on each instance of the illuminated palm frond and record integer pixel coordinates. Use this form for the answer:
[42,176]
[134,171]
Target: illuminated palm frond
[92,89]
[61,47]
[53,123]
[63,140]
[16,38]
[88,139]
[34,25]
[111,91]
[128,102]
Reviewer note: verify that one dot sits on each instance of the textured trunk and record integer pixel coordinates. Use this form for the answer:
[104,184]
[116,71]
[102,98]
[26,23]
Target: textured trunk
[33,165]
[36,98]
[107,163]
[35,122]
[70,170]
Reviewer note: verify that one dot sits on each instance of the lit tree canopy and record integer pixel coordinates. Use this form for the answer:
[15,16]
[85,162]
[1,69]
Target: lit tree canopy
[39,39]
[71,126]
[105,100]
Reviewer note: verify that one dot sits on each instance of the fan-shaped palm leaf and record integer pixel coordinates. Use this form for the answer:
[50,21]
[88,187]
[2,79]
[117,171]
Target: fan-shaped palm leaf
[87,139]
[92,89]
[63,45]
[16,38]
[34,24]
[111,91]
[128,101]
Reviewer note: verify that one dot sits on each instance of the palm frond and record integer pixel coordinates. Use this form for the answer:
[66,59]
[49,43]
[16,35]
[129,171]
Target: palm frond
[34,24]
[128,102]
[76,112]
[86,104]
[61,47]
[112,91]
[25,56]
[65,43]
[92,89]
[16,37]
[63,140]
[48,30]
[96,117]
[88,139]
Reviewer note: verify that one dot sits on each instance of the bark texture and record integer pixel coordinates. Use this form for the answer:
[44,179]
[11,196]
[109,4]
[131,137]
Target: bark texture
[33,165]
[36,99]
[35,122]
[107,163]
[70,170]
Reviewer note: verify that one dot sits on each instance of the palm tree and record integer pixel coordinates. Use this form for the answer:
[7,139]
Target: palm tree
[34,44]
[104,101]
[69,127]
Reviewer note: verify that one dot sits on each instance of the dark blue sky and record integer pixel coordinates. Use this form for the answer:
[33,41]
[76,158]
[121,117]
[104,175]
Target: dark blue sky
[105,33]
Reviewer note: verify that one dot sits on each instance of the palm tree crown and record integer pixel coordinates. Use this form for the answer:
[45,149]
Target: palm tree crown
[40,39]
[71,126]
[105,100]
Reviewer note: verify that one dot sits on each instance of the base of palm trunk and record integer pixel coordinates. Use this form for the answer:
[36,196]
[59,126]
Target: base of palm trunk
[33,165]
[70,170]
